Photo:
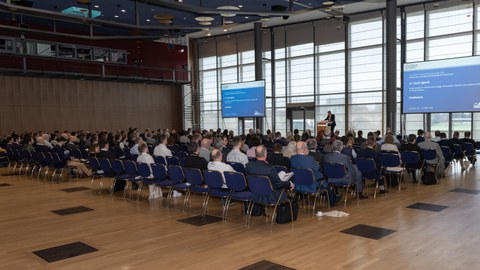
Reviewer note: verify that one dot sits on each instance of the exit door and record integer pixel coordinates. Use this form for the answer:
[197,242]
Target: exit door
[301,118]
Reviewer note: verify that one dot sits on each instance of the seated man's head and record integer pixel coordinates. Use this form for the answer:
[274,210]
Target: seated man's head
[337,146]
[261,152]
[143,148]
[301,148]
[216,155]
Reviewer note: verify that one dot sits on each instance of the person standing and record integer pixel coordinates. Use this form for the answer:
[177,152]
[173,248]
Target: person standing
[331,121]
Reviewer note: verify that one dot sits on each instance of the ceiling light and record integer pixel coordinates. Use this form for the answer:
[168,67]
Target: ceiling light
[116,16]
[96,6]
[265,19]
[208,34]
[205,23]
[147,20]
[165,21]
[204,19]
[123,10]
[246,17]
[227,22]
[328,3]
[240,6]
[228,8]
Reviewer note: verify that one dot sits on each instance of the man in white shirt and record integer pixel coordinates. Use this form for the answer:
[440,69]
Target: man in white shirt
[145,157]
[217,165]
[161,149]
[236,155]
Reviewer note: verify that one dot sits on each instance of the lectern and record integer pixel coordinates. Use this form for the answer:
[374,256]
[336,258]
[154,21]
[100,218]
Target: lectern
[323,126]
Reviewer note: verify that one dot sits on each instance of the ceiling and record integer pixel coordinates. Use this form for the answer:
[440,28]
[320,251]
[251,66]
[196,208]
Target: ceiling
[155,19]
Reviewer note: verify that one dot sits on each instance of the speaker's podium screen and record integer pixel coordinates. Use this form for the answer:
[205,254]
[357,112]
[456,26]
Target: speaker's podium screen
[243,99]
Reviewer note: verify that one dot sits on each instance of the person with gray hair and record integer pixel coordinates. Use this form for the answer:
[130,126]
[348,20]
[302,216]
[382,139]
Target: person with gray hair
[353,174]
[440,159]
[217,165]
[220,142]
[302,160]
[312,145]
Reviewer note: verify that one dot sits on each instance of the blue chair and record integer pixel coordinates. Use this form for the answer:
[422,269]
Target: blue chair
[368,168]
[120,174]
[176,175]
[171,161]
[58,166]
[264,194]
[181,154]
[106,167]
[173,148]
[126,153]
[95,166]
[447,154]
[162,179]
[132,170]
[147,177]
[392,166]
[411,161]
[470,152]
[119,152]
[458,153]
[160,160]
[214,181]
[337,176]
[77,153]
[183,147]
[238,167]
[237,183]
[305,181]
[196,183]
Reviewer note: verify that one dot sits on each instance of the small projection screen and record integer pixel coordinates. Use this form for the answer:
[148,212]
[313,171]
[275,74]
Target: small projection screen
[246,99]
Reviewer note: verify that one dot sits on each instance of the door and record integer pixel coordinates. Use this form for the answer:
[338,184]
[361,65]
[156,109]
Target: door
[301,118]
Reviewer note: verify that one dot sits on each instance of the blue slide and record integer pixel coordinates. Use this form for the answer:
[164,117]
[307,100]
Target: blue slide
[243,99]
[451,85]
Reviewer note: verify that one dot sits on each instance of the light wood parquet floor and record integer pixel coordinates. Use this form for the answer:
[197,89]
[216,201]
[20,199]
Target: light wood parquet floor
[144,234]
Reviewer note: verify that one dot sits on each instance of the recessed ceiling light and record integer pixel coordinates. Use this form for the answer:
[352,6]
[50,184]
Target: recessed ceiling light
[204,19]
[228,8]
[116,16]
[208,34]
[240,6]
[246,17]
[147,20]
[123,10]
[96,6]
[328,3]
[205,23]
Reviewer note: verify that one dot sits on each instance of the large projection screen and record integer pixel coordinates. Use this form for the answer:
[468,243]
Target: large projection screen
[245,99]
[451,85]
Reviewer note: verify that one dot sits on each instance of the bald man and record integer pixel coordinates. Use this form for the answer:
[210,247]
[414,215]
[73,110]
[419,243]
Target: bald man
[302,160]
[217,165]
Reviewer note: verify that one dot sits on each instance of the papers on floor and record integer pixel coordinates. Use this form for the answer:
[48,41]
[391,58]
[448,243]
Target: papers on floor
[334,213]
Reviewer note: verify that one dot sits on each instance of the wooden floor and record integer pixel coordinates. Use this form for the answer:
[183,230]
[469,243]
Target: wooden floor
[132,234]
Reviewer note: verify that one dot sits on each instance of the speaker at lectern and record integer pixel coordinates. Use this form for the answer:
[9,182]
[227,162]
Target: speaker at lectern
[323,126]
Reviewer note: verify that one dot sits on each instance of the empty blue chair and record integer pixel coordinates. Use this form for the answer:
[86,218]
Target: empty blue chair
[196,183]
[470,152]
[120,174]
[160,160]
[214,181]
[237,183]
[176,175]
[264,194]
[411,161]
[238,167]
[171,161]
[447,154]
[132,170]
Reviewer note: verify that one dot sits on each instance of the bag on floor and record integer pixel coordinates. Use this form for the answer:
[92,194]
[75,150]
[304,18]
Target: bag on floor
[284,214]
[429,178]
[258,210]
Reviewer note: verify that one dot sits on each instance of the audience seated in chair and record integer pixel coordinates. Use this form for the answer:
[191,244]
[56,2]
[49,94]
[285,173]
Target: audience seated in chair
[371,151]
[236,154]
[204,151]
[217,165]
[440,159]
[412,147]
[277,158]
[145,157]
[161,149]
[75,163]
[194,160]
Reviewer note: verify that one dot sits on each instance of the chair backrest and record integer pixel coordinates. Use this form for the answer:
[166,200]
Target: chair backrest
[133,157]
[446,152]
[77,153]
[119,152]
[281,168]
[117,166]
[94,163]
[303,177]
[458,149]
[173,148]
[235,181]
[105,165]
[160,160]
[410,157]
[126,153]
[130,168]
[213,179]
[184,148]
[172,161]
[48,157]
[159,171]
[193,176]
[144,170]
[366,165]
[334,170]
[259,185]
[429,154]
[390,160]
[238,167]
[468,147]
[84,154]
[176,174]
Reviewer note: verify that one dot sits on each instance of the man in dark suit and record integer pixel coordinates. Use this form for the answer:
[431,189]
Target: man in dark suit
[277,158]
[104,151]
[456,140]
[194,160]
[370,151]
[354,175]
[262,167]
[331,121]
[420,137]
[412,147]
[312,151]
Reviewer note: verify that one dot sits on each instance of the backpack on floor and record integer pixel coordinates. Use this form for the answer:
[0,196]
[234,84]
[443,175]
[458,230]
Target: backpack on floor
[429,178]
